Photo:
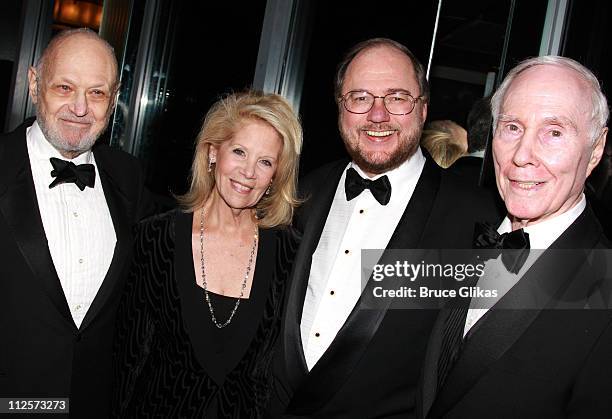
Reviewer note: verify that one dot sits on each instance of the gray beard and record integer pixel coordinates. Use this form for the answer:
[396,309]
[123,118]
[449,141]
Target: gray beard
[60,144]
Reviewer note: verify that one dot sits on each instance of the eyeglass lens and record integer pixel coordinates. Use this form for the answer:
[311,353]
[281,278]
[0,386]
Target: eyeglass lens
[398,103]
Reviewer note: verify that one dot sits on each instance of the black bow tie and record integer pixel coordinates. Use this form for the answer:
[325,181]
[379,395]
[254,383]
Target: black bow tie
[355,184]
[513,246]
[64,171]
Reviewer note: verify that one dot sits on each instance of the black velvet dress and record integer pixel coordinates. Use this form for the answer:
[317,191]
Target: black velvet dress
[171,361]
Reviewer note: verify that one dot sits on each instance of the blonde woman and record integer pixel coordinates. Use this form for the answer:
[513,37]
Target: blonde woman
[201,310]
[445,140]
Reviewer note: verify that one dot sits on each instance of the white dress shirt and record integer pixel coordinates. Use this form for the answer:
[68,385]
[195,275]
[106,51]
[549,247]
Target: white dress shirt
[335,282]
[541,236]
[78,225]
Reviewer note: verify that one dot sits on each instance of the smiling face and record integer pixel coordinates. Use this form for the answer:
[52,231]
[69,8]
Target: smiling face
[378,141]
[542,148]
[246,164]
[74,96]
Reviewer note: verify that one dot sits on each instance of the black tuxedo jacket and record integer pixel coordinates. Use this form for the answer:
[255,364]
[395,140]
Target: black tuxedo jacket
[372,367]
[468,166]
[43,354]
[552,360]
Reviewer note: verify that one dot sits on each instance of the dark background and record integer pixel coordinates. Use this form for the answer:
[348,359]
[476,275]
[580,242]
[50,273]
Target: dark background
[215,45]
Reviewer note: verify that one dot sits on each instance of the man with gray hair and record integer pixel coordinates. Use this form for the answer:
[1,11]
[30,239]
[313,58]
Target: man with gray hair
[67,208]
[543,348]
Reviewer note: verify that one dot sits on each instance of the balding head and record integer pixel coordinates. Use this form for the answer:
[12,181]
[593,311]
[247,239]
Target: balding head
[76,35]
[550,133]
[597,106]
[74,86]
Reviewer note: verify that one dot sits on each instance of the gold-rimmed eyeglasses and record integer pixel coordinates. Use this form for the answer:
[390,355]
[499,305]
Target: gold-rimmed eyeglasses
[396,103]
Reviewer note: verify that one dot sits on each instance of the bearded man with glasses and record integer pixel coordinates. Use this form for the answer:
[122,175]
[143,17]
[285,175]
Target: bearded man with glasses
[337,359]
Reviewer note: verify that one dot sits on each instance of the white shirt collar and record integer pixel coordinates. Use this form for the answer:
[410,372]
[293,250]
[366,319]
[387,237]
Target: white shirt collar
[42,149]
[401,175]
[543,234]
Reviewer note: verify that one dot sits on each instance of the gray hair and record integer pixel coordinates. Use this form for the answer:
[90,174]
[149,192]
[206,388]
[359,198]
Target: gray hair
[42,64]
[599,108]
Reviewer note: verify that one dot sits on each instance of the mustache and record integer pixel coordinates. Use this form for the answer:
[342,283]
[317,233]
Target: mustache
[85,119]
[380,127]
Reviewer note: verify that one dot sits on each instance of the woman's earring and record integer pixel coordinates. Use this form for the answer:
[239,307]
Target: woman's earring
[269,188]
[211,161]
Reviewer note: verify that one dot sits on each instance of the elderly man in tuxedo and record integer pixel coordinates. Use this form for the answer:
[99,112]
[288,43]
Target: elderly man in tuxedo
[337,359]
[543,349]
[67,206]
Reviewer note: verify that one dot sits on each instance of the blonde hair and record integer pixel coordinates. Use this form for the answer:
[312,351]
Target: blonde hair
[222,121]
[444,141]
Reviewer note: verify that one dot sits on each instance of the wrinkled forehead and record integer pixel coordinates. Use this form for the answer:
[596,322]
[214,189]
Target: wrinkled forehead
[561,86]
[547,91]
[82,56]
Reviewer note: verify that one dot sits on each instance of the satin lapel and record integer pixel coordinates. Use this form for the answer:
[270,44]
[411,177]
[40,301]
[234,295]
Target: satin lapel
[318,209]
[19,207]
[337,363]
[429,374]
[415,219]
[121,209]
[492,339]
[340,359]
[544,285]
